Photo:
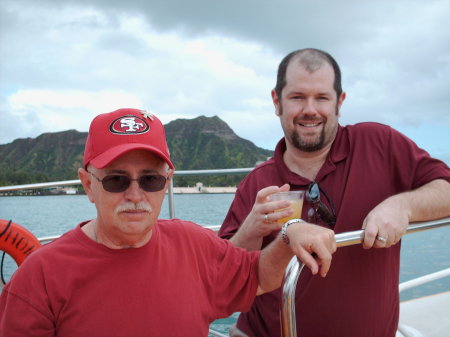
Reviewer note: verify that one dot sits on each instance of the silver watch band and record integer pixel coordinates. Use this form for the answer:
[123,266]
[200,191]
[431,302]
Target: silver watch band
[283,231]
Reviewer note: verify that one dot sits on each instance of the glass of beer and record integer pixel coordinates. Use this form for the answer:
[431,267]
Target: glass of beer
[296,203]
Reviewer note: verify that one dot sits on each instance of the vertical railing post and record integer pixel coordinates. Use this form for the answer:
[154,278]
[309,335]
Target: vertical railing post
[291,275]
[294,268]
[170,197]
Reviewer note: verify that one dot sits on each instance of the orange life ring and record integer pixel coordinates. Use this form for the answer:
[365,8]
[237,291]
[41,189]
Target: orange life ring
[17,241]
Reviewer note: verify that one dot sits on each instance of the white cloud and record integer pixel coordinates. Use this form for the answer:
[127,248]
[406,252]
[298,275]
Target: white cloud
[59,110]
[185,59]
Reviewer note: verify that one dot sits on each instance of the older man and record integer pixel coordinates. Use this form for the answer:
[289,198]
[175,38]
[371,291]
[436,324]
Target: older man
[127,273]
[365,175]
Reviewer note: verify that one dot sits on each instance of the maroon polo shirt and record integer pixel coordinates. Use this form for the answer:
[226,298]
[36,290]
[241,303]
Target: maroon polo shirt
[367,163]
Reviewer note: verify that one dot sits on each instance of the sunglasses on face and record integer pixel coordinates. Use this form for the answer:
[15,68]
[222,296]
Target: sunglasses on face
[117,183]
[319,208]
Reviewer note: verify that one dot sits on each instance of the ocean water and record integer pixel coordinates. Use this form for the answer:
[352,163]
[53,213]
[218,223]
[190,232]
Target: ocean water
[422,252]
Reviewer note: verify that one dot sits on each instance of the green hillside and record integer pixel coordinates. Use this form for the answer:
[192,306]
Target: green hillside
[199,143]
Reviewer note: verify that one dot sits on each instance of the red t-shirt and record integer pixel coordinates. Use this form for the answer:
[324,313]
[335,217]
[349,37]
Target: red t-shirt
[175,285]
[367,163]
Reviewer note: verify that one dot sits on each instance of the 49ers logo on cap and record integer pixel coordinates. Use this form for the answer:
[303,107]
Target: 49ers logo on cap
[129,124]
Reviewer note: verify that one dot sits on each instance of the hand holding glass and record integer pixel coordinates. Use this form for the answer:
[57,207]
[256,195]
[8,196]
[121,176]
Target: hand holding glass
[295,199]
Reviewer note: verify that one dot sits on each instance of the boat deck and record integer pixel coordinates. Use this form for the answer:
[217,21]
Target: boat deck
[425,316]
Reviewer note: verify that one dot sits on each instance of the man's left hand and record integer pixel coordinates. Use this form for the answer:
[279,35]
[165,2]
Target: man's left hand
[386,224]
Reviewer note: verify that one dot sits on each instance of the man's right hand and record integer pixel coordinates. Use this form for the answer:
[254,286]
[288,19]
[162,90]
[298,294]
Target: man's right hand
[313,245]
[262,219]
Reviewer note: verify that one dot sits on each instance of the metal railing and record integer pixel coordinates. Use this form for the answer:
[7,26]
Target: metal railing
[78,182]
[199,172]
[423,279]
[170,191]
[295,267]
[216,333]
[44,239]
[39,185]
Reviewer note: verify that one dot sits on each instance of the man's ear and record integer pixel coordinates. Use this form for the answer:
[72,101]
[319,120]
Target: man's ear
[276,102]
[170,173]
[340,101]
[86,181]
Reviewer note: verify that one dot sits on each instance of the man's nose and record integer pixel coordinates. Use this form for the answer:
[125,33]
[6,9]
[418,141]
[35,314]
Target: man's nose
[310,106]
[134,192]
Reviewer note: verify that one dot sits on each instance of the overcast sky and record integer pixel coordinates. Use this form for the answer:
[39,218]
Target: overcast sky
[63,62]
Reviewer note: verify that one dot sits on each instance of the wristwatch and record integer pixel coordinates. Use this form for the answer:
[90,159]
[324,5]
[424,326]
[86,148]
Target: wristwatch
[283,231]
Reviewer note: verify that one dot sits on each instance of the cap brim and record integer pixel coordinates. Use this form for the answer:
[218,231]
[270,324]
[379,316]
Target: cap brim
[113,153]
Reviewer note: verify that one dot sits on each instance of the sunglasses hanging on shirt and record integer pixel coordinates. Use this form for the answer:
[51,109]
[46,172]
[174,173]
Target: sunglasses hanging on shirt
[319,210]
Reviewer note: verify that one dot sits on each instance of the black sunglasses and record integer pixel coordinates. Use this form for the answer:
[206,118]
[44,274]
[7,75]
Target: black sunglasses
[318,207]
[117,183]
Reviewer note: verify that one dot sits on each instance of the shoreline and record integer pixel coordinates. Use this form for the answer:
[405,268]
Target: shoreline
[203,190]
[176,190]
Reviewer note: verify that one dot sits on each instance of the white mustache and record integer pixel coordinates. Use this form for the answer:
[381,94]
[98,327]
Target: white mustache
[131,206]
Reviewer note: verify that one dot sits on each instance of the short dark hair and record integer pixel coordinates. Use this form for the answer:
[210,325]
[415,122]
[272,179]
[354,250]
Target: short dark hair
[312,59]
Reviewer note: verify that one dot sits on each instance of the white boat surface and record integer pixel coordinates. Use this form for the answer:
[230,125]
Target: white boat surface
[427,316]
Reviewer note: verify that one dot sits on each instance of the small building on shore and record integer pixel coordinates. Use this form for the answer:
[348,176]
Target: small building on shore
[199,188]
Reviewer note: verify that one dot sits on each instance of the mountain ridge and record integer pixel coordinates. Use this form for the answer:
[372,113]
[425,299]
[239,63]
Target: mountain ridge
[194,144]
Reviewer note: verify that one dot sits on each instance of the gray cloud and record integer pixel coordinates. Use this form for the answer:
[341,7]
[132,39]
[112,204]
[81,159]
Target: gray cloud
[186,58]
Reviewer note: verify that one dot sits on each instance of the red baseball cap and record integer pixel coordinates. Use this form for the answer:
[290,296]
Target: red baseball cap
[115,133]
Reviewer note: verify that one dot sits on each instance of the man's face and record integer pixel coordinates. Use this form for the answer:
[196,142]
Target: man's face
[308,108]
[115,214]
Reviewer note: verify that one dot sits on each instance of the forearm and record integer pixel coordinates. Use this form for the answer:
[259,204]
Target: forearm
[246,240]
[272,264]
[428,202]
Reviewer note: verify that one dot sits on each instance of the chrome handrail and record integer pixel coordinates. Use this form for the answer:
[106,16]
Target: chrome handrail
[78,182]
[423,279]
[199,172]
[216,333]
[170,191]
[214,228]
[295,267]
[39,185]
